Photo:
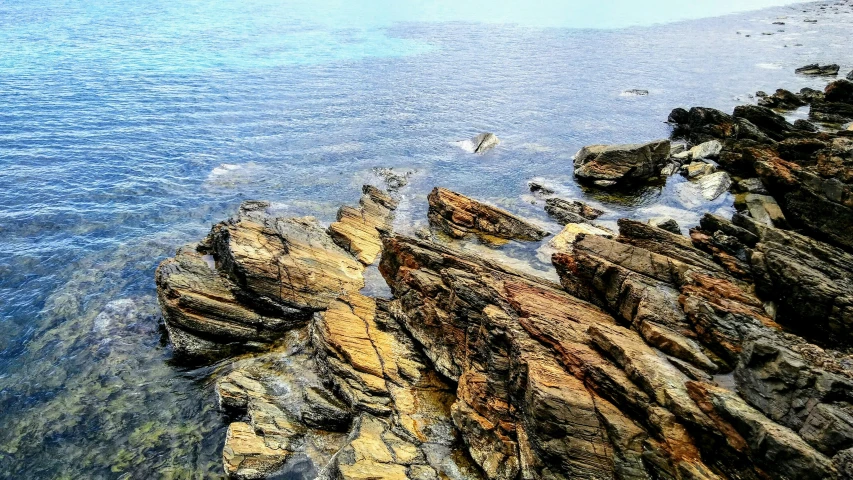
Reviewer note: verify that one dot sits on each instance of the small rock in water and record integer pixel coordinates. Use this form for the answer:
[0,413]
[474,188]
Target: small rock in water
[605,165]
[850,75]
[565,211]
[537,187]
[635,93]
[818,70]
[666,223]
[705,150]
[714,185]
[393,180]
[485,142]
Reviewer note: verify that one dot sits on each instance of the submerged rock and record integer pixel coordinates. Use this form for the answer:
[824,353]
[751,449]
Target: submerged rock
[819,70]
[571,211]
[458,216]
[614,164]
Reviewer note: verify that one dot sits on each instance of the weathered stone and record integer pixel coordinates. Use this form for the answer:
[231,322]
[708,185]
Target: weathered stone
[563,241]
[776,449]
[839,91]
[285,263]
[357,229]
[571,211]
[769,122]
[458,216]
[203,314]
[705,150]
[621,163]
[714,185]
[699,169]
[667,223]
[750,185]
[782,100]
[805,126]
[485,142]
[764,209]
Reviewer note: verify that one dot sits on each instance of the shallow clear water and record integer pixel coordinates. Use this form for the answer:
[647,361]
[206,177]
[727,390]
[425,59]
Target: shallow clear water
[127,128]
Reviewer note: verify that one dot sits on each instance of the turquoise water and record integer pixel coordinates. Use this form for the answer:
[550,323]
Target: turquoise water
[127,128]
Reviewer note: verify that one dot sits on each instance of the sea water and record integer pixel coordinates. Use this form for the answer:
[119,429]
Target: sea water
[127,128]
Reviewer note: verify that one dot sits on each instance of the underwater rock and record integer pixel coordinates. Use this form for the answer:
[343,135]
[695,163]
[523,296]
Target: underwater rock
[818,70]
[458,216]
[571,211]
[621,163]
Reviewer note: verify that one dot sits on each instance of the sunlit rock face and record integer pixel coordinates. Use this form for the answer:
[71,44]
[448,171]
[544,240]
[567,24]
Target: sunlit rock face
[657,355]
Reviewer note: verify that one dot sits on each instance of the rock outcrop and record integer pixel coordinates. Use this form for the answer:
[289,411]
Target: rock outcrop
[724,354]
[608,165]
[458,216]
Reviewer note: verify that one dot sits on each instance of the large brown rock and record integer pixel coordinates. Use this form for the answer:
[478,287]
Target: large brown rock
[458,216]
[611,164]
[358,229]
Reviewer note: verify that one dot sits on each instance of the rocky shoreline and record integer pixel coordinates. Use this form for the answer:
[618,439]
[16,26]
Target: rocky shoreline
[722,354]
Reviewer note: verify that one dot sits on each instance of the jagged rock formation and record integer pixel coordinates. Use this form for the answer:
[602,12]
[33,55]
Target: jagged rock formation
[806,173]
[657,355]
[255,276]
[608,165]
[458,216]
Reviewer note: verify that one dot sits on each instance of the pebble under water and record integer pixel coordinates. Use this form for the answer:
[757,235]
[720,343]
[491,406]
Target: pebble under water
[127,130]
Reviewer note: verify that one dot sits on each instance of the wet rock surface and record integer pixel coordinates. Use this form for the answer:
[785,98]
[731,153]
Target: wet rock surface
[608,165]
[458,216]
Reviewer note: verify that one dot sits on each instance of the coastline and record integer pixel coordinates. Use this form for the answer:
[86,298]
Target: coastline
[718,354]
[82,312]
